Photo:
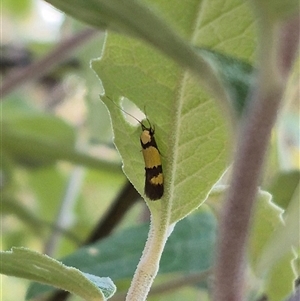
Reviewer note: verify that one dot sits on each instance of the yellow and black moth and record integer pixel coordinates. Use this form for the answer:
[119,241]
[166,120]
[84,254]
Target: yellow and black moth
[154,180]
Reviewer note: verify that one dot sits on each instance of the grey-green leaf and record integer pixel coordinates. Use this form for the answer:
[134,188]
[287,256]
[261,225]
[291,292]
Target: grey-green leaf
[28,264]
[188,250]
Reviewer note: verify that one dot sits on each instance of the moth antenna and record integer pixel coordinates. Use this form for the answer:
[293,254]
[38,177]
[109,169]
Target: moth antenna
[126,112]
[152,127]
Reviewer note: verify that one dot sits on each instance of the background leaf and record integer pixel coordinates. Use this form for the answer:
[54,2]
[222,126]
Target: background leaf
[189,250]
[277,254]
[31,265]
[12,206]
[276,278]
[236,74]
[36,139]
[283,187]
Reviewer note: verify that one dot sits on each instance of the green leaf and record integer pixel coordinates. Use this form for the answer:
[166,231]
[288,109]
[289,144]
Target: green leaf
[17,8]
[277,275]
[24,263]
[266,218]
[190,129]
[36,139]
[283,187]
[191,140]
[271,245]
[281,278]
[189,250]
[134,18]
[284,237]
[270,251]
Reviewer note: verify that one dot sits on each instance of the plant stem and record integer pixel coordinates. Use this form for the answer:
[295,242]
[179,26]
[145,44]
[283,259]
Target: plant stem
[172,285]
[253,140]
[149,263]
